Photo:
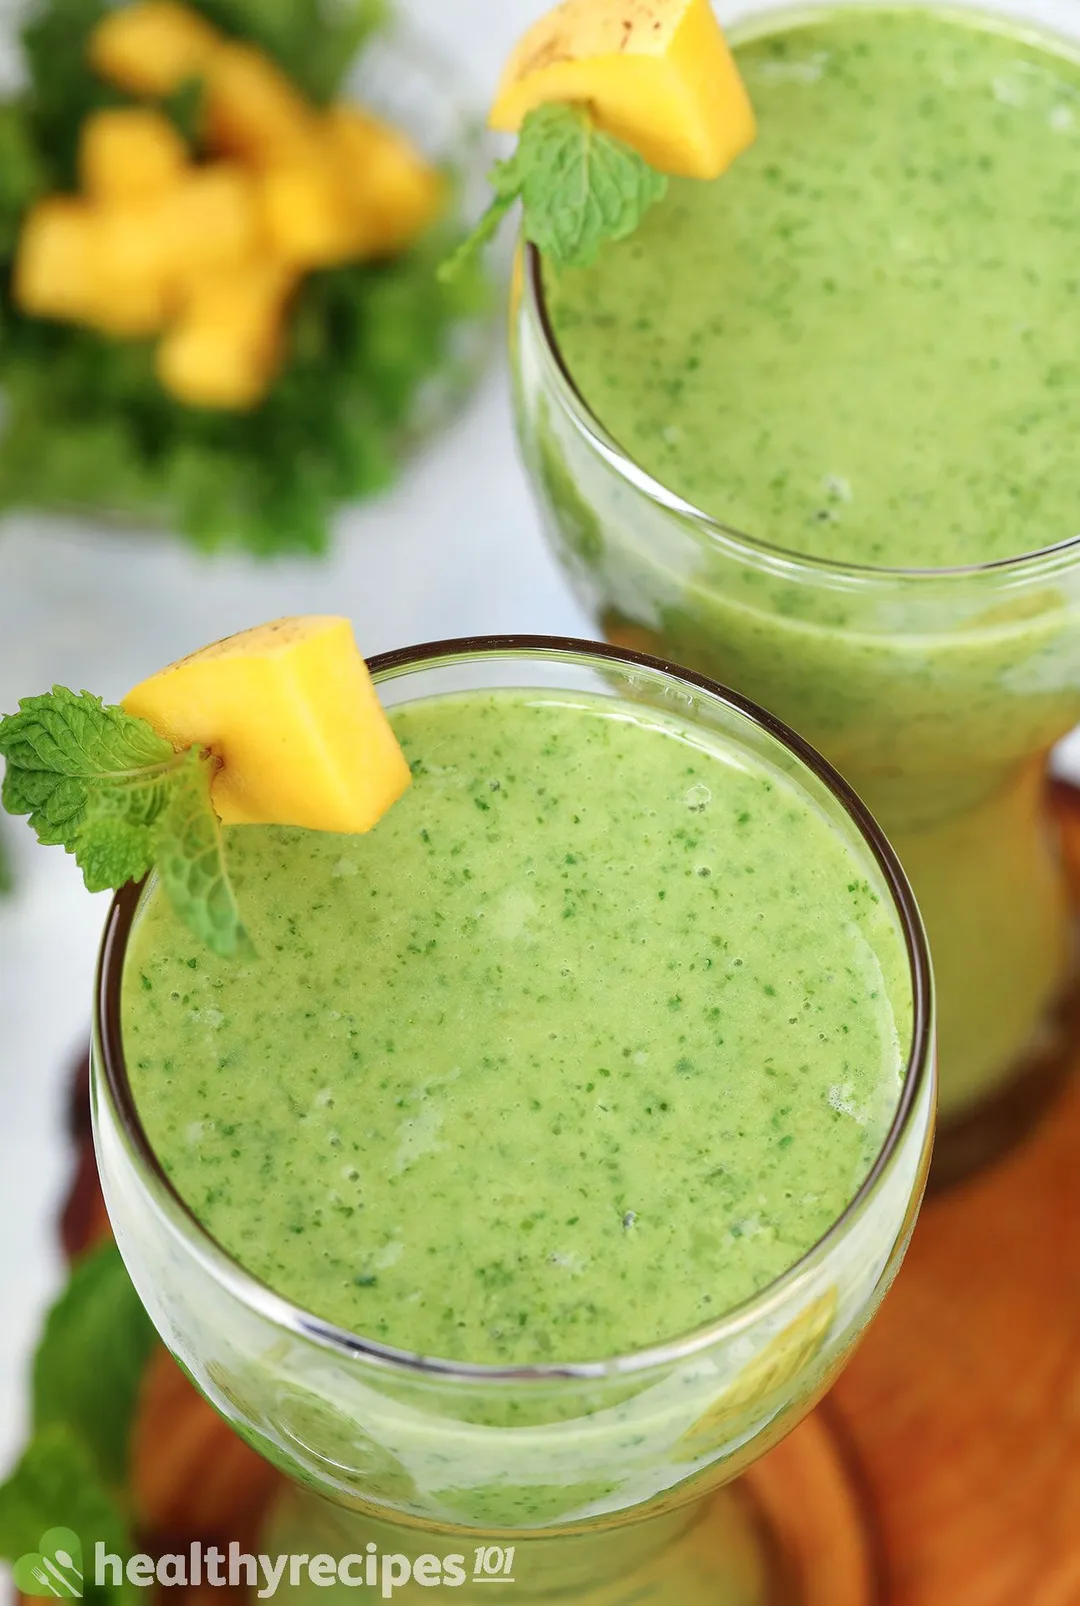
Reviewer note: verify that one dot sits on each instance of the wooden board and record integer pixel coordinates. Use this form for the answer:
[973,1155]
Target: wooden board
[944,1468]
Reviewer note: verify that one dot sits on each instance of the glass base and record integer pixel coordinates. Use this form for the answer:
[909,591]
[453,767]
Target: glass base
[794,1531]
[717,1553]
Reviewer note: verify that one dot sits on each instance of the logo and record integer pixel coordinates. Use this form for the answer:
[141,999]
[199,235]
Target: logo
[55,1568]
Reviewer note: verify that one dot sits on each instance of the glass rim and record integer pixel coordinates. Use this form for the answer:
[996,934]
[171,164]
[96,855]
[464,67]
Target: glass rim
[278,1309]
[1021,566]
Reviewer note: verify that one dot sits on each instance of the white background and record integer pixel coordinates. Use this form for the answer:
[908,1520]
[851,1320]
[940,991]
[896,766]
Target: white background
[455,549]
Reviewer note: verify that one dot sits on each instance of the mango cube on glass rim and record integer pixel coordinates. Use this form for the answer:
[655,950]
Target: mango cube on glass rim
[291,712]
[655,73]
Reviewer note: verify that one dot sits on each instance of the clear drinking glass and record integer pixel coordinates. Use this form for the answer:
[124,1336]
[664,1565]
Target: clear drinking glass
[597,1474]
[936,693]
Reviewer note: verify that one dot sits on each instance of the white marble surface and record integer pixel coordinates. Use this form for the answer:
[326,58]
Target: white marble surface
[455,549]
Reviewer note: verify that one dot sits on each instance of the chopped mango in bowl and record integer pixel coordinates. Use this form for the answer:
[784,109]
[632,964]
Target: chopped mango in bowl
[219,310]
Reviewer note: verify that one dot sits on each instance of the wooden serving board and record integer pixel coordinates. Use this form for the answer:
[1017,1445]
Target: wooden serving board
[944,1468]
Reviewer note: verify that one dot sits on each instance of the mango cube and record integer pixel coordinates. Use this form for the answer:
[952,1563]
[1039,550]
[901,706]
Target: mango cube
[394,190]
[247,296]
[306,211]
[252,110]
[130,153]
[56,263]
[209,220]
[655,73]
[64,270]
[153,47]
[291,712]
[214,218]
[129,309]
[225,348]
[205,365]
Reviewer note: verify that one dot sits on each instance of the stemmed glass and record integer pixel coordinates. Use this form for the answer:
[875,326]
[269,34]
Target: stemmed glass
[937,692]
[614,1481]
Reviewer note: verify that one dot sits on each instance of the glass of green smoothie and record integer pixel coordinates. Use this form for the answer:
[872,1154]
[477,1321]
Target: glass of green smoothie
[543,1166]
[810,430]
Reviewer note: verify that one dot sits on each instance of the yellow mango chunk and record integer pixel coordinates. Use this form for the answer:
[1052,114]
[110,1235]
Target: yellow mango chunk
[395,191]
[290,710]
[655,73]
[129,153]
[56,261]
[153,47]
[306,211]
[213,218]
[129,309]
[209,220]
[205,365]
[226,345]
[252,109]
[63,271]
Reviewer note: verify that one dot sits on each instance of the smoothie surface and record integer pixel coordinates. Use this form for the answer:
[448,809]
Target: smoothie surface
[863,341]
[593,1036]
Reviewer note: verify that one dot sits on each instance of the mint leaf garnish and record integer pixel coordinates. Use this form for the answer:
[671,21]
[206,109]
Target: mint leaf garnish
[61,748]
[90,1363]
[578,187]
[113,793]
[56,1484]
[191,862]
[87,1376]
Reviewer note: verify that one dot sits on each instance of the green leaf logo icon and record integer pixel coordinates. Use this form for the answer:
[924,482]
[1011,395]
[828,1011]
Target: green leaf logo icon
[54,1569]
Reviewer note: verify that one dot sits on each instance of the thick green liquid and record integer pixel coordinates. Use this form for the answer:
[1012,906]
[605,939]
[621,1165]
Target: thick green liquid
[863,341]
[593,1036]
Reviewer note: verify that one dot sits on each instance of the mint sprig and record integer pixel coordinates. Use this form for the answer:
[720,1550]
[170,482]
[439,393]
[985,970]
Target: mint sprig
[113,793]
[90,1361]
[87,1375]
[56,1484]
[190,857]
[579,188]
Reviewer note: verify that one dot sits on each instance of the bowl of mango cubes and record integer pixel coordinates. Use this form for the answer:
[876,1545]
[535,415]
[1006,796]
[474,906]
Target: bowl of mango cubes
[220,228]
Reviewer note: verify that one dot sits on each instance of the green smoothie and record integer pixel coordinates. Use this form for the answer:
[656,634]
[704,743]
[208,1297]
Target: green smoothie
[858,348]
[591,1038]
[863,341]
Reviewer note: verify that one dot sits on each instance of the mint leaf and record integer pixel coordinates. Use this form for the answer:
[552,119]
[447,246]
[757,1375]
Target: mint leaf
[56,1485]
[90,1363]
[482,236]
[579,188]
[116,840]
[112,792]
[191,862]
[59,747]
[87,1375]
[111,852]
